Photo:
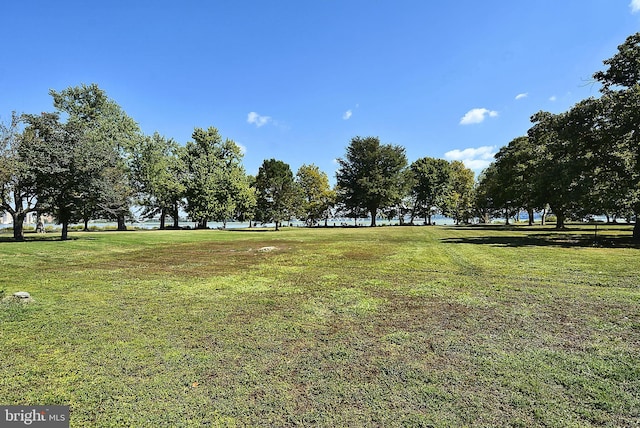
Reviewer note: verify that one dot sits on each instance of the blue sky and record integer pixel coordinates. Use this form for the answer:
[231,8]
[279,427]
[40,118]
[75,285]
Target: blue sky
[296,80]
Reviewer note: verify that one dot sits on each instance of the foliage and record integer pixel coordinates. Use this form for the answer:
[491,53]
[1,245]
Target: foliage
[431,184]
[158,168]
[459,202]
[509,183]
[17,182]
[64,165]
[278,196]
[621,97]
[108,129]
[215,180]
[370,177]
[318,196]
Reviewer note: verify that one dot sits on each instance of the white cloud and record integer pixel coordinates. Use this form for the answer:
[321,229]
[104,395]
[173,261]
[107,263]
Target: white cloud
[553,98]
[476,159]
[258,120]
[635,6]
[347,115]
[477,115]
[523,95]
[243,149]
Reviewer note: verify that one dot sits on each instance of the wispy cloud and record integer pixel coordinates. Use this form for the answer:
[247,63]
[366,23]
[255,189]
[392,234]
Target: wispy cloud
[635,6]
[553,98]
[243,148]
[476,159]
[477,115]
[347,114]
[523,95]
[258,120]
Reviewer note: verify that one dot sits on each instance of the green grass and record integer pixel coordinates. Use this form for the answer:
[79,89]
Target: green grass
[391,326]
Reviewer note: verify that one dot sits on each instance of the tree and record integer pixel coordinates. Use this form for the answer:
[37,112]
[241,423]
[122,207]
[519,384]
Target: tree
[317,194]
[509,182]
[247,201]
[569,158]
[62,162]
[158,169]
[431,181]
[277,192]
[370,177]
[621,100]
[103,125]
[459,202]
[17,183]
[485,191]
[215,180]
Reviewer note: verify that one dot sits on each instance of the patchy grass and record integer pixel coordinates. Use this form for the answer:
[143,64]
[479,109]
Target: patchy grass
[394,326]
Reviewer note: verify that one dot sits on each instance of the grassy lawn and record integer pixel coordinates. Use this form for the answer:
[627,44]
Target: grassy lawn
[391,326]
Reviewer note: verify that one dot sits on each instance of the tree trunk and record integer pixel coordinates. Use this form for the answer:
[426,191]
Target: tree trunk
[506,216]
[18,225]
[636,229]
[530,215]
[560,219]
[121,223]
[277,225]
[65,230]
[175,216]
[163,214]
[373,217]
[86,225]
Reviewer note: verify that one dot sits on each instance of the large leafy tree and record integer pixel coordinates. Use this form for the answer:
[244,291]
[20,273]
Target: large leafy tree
[430,185]
[459,202]
[318,197]
[509,182]
[569,159]
[102,124]
[17,183]
[247,201]
[158,170]
[277,192]
[486,188]
[621,103]
[370,176]
[62,162]
[215,180]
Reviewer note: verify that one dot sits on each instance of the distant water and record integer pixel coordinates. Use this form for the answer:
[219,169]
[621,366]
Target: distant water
[337,222]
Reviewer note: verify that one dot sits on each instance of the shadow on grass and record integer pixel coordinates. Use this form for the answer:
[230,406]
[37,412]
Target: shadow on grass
[577,235]
[548,240]
[27,238]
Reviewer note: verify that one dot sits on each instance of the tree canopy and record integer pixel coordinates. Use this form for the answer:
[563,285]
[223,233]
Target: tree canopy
[277,193]
[370,175]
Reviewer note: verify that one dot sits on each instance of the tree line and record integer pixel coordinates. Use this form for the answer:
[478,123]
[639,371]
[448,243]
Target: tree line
[580,163]
[89,160]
